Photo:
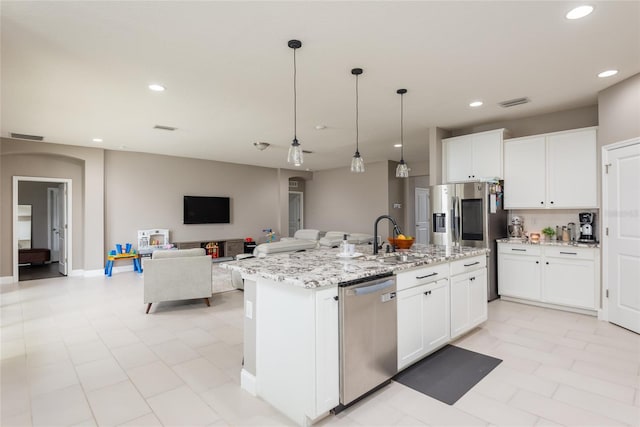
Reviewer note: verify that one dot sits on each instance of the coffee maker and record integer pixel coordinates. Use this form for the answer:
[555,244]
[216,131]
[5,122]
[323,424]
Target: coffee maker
[587,227]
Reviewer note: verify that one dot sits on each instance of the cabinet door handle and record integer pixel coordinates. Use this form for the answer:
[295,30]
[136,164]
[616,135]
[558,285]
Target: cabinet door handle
[427,293]
[552,202]
[547,262]
[537,262]
[569,253]
[473,263]
[542,203]
[335,298]
[428,275]
[472,279]
[519,250]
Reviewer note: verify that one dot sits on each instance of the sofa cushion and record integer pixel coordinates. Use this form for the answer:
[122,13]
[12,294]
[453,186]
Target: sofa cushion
[307,233]
[177,253]
[285,246]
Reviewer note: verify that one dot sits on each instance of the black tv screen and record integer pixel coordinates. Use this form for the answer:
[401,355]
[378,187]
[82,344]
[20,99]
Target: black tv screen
[206,210]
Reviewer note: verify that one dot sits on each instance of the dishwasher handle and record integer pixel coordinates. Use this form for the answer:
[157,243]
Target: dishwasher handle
[364,290]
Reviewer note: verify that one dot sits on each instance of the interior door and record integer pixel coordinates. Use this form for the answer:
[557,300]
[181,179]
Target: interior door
[53,223]
[422,216]
[61,226]
[295,212]
[622,203]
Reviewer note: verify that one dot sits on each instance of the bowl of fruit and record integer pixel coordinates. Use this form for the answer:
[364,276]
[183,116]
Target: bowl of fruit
[402,241]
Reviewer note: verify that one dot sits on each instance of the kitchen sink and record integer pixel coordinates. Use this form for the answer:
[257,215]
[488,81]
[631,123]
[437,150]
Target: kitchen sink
[400,258]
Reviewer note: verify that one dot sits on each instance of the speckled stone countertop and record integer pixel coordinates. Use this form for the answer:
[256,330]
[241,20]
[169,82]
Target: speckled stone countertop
[549,243]
[316,268]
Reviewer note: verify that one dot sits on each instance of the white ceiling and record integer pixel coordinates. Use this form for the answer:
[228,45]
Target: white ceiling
[72,71]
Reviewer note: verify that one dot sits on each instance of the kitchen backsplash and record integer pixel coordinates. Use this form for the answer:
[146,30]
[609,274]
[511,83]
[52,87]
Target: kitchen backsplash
[537,219]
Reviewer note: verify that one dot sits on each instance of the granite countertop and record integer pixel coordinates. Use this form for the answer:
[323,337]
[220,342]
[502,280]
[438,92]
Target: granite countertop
[316,268]
[549,243]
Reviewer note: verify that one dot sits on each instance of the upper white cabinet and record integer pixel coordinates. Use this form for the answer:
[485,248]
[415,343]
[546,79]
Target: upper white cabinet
[556,170]
[473,157]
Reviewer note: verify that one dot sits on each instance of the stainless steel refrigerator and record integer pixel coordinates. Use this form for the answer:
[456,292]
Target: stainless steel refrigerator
[470,214]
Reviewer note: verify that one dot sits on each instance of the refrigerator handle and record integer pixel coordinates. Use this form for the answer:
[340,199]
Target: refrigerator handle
[455,219]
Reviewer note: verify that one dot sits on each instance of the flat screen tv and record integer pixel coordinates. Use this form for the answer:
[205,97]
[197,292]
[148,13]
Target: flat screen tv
[206,210]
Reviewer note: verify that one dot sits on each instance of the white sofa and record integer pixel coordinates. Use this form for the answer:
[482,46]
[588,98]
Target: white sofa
[172,275]
[333,239]
[302,240]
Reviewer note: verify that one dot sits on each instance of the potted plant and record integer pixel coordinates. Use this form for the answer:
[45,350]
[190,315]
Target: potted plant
[548,233]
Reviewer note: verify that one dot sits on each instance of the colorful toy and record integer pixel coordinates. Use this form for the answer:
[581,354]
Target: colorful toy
[271,236]
[119,254]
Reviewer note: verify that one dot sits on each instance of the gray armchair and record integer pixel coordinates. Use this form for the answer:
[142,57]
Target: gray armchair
[172,275]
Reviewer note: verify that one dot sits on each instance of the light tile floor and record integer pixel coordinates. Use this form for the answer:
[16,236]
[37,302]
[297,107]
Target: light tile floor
[81,351]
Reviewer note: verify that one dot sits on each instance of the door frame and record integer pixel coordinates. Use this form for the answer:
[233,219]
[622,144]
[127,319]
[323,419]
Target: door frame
[301,193]
[50,224]
[604,243]
[68,203]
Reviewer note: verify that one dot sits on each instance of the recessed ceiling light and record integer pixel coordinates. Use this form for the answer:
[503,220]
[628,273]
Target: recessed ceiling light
[397,145]
[579,12]
[475,104]
[608,73]
[97,139]
[320,127]
[156,87]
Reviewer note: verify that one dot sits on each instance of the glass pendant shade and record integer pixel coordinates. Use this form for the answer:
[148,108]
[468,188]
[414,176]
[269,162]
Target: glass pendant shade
[402,170]
[295,153]
[357,163]
[295,150]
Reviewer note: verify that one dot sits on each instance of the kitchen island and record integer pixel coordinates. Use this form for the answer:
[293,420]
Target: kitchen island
[291,328]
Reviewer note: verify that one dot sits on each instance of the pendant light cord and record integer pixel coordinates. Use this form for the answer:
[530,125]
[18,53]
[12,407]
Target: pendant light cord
[401,126]
[295,98]
[357,129]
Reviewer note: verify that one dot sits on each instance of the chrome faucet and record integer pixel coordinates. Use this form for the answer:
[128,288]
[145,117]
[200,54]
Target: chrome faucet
[396,231]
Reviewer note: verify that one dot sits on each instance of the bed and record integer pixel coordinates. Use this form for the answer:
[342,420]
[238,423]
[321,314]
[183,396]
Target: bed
[40,256]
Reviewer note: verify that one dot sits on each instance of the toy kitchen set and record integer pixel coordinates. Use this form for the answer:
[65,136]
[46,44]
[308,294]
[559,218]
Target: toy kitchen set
[150,240]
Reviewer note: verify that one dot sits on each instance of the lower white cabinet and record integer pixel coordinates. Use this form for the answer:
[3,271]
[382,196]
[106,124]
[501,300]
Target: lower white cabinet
[559,275]
[520,271]
[423,320]
[468,300]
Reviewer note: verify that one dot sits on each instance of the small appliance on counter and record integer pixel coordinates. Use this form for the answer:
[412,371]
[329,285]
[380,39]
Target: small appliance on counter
[573,233]
[587,227]
[516,228]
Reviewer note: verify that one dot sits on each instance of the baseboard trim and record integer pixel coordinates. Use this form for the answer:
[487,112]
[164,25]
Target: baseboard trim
[122,269]
[554,306]
[76,273]
[6,280]
[248,382]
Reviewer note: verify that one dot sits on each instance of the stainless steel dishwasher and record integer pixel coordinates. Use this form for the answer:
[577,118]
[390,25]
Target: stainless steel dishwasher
[368,335]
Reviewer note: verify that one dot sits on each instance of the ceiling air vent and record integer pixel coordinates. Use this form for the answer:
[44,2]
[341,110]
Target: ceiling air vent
[513,102]
[164,127]
[24,136]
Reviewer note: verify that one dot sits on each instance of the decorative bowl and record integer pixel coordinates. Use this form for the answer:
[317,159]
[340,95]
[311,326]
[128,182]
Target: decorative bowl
[401,243]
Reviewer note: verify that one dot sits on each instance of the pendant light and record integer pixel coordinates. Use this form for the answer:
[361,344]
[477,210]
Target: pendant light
[295,151]
[402,171]
[357,162]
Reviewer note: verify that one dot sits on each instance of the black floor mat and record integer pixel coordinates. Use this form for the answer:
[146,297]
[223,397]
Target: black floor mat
[448,374]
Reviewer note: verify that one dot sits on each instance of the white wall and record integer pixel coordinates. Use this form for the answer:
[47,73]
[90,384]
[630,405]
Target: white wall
[146,191]
[338,200]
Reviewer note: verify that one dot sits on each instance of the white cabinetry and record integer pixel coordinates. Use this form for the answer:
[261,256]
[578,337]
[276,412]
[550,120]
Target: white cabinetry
[473,157]
[468,291]
[519,271]
[570,277]
[297,358]
[555,170]
[563,276]
[423,313]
